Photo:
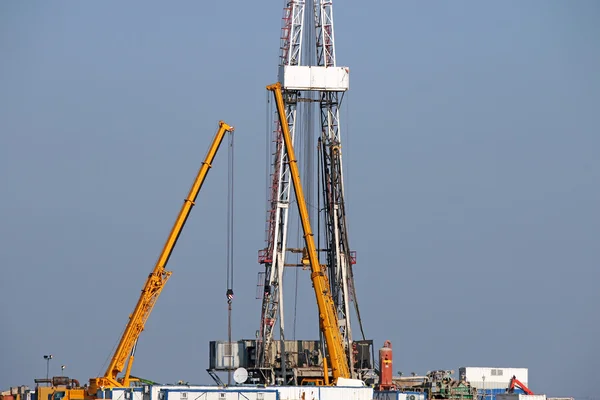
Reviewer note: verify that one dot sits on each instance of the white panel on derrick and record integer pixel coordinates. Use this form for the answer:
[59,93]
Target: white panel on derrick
[300,77]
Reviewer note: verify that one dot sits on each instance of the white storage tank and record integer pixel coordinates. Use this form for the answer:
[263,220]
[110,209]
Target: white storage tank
[492,377]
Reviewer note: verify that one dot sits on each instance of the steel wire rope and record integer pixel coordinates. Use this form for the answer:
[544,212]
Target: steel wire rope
[230,193]
[230,269]
[302,156]
[110,354]
[347,173]
[268,155]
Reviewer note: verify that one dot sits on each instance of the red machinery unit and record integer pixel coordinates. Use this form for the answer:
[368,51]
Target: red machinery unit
[385,367]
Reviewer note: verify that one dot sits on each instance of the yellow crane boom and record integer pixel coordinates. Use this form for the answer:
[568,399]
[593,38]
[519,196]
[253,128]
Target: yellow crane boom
[327,314]
[155,282]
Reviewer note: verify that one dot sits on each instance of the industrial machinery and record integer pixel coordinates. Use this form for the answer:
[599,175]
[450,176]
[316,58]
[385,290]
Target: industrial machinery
[327,310]
[309,75]
[63,388]
[59,388]
[514,382]
[303,359]
[439,384]
[55,388]
[124,354]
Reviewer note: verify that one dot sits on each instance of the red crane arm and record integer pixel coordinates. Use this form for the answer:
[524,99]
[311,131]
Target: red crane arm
[515,382]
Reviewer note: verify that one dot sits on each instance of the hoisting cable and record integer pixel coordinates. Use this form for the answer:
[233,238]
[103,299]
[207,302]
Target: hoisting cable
[268,149]
[229,292]
[321,211]
[299,138]
[352,286]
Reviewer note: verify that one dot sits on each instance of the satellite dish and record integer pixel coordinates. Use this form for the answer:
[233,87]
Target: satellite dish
[240,375]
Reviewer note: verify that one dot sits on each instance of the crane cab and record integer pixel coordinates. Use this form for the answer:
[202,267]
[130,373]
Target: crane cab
[60,388]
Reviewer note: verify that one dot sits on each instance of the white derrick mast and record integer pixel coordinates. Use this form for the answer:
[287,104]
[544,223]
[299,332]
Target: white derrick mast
[329,82]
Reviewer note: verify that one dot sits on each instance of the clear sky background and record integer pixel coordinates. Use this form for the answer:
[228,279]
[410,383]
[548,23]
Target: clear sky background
[472,132]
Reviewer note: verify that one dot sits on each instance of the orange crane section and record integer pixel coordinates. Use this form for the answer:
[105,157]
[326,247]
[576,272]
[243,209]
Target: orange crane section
[154,284]
[327,314]
[514,382]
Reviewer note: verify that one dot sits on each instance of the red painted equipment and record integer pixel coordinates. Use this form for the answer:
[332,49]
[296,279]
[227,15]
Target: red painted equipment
[515,382]
[385,367]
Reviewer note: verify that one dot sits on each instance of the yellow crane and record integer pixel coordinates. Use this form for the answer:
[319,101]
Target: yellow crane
[327,315]
[154,284]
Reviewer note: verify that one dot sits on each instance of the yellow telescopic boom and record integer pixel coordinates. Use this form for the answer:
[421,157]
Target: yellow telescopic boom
[327,314]
[155,282]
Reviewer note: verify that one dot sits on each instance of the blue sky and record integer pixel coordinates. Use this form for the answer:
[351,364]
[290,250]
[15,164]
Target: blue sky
[471,134]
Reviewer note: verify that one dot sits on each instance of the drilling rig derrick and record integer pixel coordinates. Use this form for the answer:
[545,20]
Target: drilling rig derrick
[309,76]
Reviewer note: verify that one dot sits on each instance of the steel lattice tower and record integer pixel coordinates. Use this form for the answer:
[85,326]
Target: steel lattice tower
[273,255]
[329,82]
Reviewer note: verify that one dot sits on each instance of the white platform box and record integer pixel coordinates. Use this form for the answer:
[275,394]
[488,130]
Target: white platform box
[331,79]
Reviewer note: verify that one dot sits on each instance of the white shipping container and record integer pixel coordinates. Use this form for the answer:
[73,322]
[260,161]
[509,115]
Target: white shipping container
[216,393]
[324,393]
[156,392]
[492,377]
[346,393]
[514,396]
[298,392]
[124,394]
[255,393]
[161,391]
